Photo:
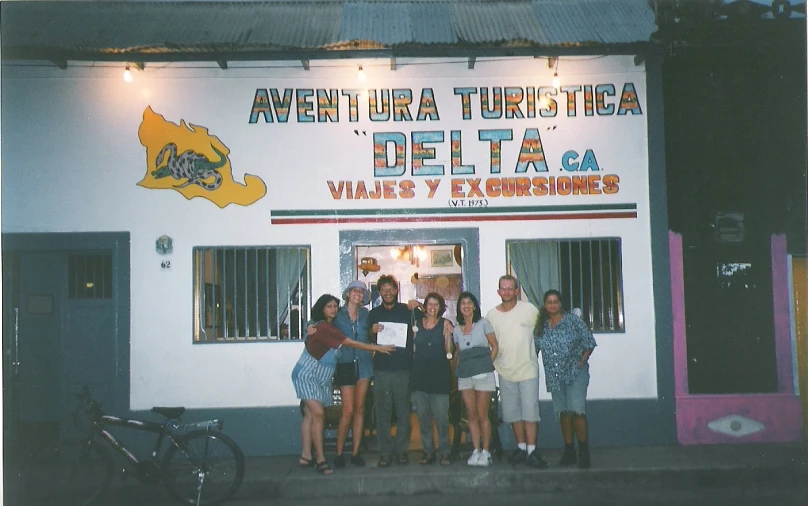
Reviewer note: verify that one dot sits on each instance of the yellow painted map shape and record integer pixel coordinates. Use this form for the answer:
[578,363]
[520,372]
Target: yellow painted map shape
[189,160]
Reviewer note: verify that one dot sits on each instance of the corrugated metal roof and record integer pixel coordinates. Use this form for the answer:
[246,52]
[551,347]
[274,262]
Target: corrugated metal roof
[485,22]
[398,23]
[173,25]
[82,30]
[435,23]
[389,24]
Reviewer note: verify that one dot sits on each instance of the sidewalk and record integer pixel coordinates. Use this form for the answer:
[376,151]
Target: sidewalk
[652,467]
[783,465]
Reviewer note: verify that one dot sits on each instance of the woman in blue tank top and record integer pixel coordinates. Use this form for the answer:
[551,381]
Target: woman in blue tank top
[431,377]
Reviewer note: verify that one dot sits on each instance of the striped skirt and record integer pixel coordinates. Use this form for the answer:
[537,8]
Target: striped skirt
[312,379]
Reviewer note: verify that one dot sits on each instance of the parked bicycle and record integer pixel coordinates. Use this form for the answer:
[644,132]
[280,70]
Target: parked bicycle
[200,465]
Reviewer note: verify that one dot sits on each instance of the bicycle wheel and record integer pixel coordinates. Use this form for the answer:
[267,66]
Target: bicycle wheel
[203,468]
[85,481]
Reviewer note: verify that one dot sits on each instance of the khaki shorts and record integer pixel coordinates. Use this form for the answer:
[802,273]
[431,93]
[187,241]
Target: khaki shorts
[519,400]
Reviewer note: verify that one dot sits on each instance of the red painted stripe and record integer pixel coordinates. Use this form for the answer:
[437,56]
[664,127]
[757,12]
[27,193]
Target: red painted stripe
[416,219]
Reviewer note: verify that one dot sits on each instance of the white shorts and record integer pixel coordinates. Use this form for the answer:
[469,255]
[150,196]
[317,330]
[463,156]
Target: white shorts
[482,383]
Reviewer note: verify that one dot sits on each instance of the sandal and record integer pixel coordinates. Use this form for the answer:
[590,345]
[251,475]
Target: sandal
[444,460]
[403,460]
[324,468]
[427,459]
[304,462]
[384,462]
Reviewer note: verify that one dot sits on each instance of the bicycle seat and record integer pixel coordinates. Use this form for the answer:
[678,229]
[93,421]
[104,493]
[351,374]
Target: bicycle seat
[171,413]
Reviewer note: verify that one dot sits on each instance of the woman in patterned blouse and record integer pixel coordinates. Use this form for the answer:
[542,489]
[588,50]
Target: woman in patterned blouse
[566,343]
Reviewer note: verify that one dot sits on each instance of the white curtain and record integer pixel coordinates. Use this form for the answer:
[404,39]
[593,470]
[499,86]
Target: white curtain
[536,265]
[290,266]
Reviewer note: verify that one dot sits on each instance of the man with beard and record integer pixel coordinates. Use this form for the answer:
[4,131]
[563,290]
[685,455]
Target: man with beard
[391,377]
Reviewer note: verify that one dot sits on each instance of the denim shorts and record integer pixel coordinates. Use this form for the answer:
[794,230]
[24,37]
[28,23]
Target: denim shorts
[572,396]
[365,366]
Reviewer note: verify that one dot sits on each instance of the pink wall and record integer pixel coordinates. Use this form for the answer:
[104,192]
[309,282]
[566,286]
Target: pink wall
[736,418]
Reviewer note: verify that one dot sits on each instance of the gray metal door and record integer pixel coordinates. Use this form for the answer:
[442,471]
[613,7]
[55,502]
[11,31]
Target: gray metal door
[61,336]
[37,350]
[36,306]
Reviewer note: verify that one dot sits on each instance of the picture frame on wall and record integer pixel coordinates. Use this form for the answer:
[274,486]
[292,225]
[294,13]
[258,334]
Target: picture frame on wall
[441,258]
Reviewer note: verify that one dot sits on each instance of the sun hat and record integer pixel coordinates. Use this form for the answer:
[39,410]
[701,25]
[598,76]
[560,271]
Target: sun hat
[357,284]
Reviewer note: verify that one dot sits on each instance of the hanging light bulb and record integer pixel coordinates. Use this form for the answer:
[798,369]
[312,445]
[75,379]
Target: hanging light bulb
[543,102]
[127,74]
[556,81]
[362,77]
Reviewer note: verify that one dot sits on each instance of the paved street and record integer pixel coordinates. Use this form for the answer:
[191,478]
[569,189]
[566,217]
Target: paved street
[767,474]
[737,496]
[617,497]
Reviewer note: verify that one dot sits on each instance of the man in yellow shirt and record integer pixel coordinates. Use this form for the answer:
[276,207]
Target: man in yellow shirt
[518,369]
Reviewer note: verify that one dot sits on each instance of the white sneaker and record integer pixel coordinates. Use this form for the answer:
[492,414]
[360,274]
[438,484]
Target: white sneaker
[474,460]
[484,459]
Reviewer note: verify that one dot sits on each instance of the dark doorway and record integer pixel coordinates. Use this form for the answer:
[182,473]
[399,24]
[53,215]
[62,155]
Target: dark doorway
[65,324]
[730,320]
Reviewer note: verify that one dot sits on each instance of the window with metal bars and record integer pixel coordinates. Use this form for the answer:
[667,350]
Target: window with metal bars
[250,293]
[89,276]
[587,272]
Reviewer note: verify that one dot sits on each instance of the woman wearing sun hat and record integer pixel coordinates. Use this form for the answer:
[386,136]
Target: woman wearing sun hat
[352,320]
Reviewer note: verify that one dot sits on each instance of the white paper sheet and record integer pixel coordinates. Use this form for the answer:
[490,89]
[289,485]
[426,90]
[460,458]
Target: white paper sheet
[393,333]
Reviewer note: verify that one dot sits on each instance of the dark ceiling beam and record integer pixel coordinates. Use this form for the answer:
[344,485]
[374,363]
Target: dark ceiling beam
[393,63]
[222,64]
[62,64]
[472,62]
[306,64]
[27,53]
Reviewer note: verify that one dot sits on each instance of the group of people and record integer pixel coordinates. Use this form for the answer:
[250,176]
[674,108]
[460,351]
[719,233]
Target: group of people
[338,351]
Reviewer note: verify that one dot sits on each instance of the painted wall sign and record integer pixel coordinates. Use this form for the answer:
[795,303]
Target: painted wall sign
[414,146]
[189,160]
[460,152]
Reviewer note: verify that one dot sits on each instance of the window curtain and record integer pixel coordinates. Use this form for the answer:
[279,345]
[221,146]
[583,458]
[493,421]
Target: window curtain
[290,266]
[536,265]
